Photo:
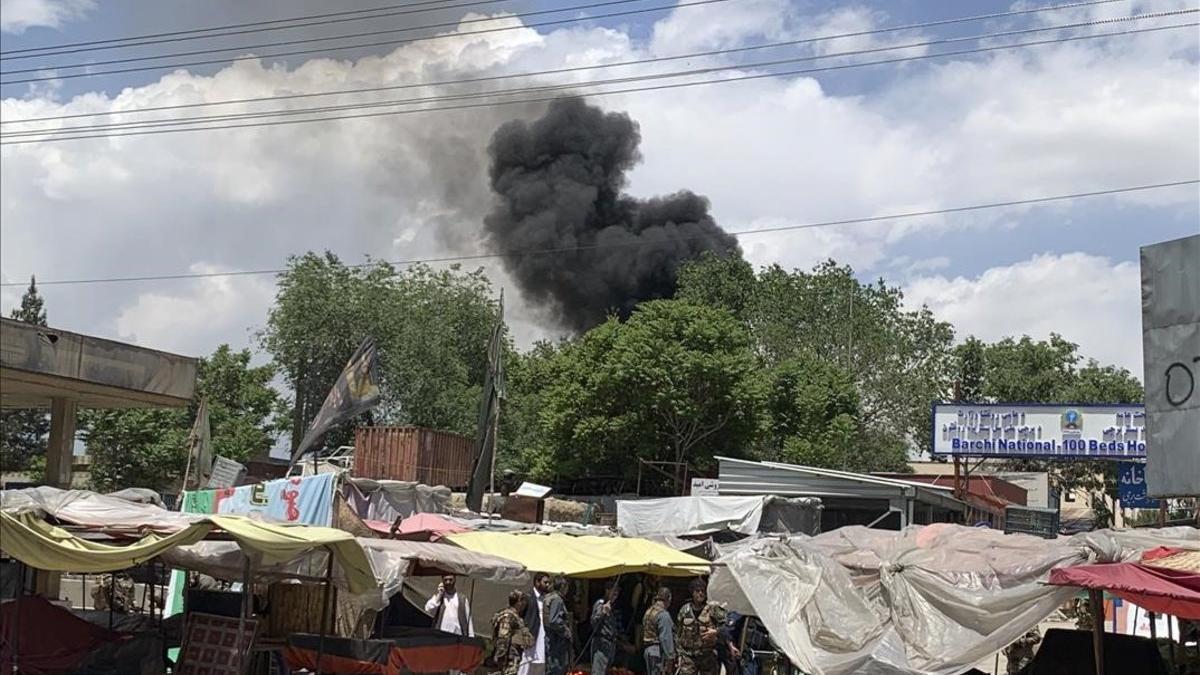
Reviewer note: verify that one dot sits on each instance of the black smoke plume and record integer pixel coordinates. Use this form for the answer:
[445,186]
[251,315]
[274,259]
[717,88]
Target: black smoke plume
[559,180]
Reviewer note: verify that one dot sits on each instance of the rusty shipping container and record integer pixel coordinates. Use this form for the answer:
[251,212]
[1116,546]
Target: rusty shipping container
[415,454]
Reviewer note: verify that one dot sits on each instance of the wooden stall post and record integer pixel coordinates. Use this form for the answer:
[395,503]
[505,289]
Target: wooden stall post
[112,589]
[325,611]
[242,615]
[1097,601]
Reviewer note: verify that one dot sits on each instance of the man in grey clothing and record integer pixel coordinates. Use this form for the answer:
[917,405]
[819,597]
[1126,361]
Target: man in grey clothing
[558,630]
[658,635]
[604,629]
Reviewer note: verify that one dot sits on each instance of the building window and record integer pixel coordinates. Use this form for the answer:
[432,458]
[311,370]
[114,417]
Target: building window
[1070,496]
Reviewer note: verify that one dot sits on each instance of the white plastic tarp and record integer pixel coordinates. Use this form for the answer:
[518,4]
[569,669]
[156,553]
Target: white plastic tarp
[693,515]
[112,513]
[946,596]
[387,500]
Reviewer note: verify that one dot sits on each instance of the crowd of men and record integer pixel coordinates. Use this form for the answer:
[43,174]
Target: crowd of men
[533,634]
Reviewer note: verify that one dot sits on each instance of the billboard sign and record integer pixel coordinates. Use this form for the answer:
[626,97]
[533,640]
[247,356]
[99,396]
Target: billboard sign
[1038,522]
[1171,353]
[1131,486]
[1040,430]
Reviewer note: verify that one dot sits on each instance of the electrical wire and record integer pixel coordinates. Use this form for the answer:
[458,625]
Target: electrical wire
[183,35]
[716,52]
[322,50]
[179,128]
[635,244]
[169,122]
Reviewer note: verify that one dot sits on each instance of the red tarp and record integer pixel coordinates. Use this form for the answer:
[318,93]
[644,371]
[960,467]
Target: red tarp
[1157,589]
[426,527]
[416,650]
[49,639]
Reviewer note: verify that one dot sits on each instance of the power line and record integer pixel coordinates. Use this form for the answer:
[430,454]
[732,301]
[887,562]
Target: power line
[318,50]
[180,122]
[717,52]
[179,128]
[407,8]
[635,244]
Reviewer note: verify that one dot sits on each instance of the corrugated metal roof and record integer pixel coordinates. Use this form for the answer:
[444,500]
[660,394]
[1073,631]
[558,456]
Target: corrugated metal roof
[745,477]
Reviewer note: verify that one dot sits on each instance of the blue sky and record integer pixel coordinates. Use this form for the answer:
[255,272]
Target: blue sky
[1064,118]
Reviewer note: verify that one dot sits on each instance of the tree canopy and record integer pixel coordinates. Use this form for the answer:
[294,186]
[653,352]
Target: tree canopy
[431,327]
[148,447]
[676,382]
[898,359]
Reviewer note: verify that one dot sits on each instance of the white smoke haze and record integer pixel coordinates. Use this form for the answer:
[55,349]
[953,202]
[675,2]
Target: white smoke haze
[1002,126]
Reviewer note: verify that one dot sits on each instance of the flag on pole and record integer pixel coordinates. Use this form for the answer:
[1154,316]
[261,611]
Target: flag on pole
[355,391]
[199,449]
[489,415]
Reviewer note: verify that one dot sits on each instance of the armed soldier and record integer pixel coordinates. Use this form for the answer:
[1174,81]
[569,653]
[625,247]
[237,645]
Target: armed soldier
[701,626]
[510,636]
[658,635]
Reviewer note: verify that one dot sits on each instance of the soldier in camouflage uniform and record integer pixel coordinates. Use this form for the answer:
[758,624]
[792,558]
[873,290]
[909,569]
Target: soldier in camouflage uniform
[117,588]
[510,637]
[658,635]
[700,624]
[1020,653]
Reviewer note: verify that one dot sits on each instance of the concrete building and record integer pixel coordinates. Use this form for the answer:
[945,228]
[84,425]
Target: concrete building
[61,371]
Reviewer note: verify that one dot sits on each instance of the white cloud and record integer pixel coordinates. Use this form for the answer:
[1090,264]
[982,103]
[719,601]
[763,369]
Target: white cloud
[17,15]
[767,153]
[193,317]
[1087,299]
[928,264]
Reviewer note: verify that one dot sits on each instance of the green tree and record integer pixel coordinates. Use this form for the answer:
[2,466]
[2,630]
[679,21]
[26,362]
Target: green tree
[813,419]
[899,359]
[148,447]
[970,371]
[527,376]
[136,448]
[675,382]
[23,433]
[242,404]
[1028,370]
[431,326]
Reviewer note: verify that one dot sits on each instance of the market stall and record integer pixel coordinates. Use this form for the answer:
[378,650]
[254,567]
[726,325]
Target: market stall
[584,557]
[1164,581]
[930,599]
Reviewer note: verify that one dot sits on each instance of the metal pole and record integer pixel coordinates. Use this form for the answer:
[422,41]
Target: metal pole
[1171,640]
[1153,628]
[1097,601]
[495,449]
[17,615]
[242,614]
[112,585]
[324,611]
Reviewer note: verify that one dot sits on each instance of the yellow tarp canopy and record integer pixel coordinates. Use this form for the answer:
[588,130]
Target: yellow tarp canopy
[584,557]
[43,546]
[280,543]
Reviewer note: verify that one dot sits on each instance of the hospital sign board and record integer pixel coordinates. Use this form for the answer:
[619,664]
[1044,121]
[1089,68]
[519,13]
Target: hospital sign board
[1116,431]
[1131,486]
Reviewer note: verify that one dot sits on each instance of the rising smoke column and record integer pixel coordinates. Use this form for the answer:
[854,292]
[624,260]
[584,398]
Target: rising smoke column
[559,181]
